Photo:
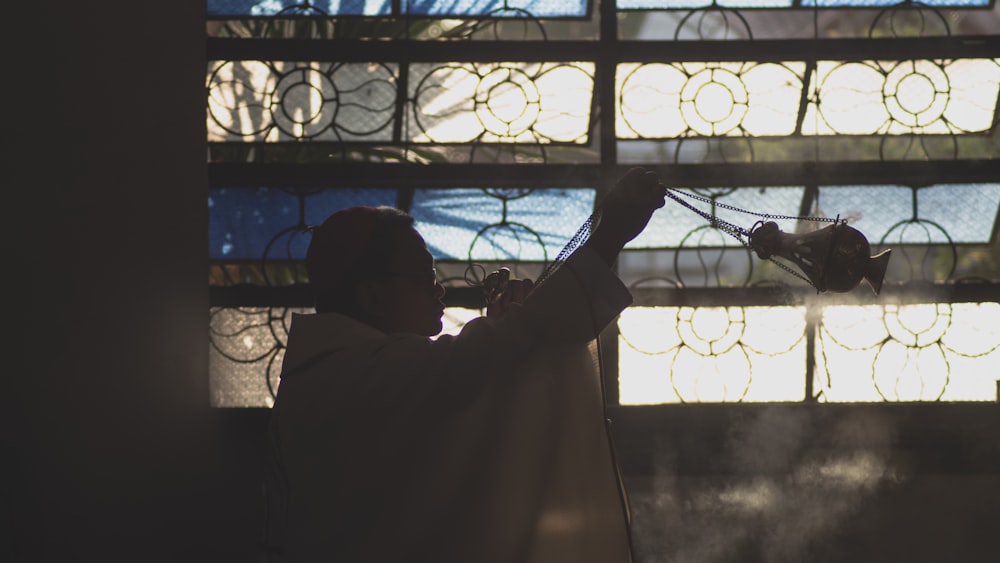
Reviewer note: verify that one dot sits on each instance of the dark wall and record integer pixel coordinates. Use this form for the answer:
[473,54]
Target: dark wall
[112,453]
[776,483]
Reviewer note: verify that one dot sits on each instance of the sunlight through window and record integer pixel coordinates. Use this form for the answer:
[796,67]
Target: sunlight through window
[926,352]
[711,354]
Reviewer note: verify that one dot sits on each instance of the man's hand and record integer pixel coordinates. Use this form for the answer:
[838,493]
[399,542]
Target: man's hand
[626,211]
[501,291]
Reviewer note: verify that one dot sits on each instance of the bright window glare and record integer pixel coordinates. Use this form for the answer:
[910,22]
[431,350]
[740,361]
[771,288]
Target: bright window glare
[946,352]
[711,99]
[456,317]
[711,354]
[501,102]
[930,352]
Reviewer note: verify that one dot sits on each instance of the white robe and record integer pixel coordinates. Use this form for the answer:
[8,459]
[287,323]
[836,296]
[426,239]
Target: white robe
[490,446]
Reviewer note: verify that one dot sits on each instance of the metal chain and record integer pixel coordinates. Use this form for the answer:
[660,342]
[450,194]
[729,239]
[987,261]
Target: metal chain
[580,237]
[721,205]
[736,231]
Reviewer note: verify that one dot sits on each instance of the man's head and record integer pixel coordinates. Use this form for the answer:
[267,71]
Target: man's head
[369,263]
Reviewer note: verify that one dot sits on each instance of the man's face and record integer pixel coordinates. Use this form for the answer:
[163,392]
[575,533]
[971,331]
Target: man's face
[409,295]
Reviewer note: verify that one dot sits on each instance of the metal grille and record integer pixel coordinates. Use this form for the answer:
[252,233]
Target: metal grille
[500,128]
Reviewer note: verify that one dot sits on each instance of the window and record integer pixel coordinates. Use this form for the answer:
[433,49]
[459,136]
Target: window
[499,125]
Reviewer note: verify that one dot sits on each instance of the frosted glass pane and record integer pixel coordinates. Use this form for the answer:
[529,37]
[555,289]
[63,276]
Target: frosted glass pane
[961,213]
[694,4]
[685,100]
[251,223]
[904,97]
[461,224]
[926,352]
[236,8]
[502,8]
[316,101]
[929,352]
[507,8]
[674,225]
[247,348]
[707,99]
[509,102]
[889,3]
[711,354]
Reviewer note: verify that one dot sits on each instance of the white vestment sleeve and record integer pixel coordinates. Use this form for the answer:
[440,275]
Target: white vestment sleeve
[608,295]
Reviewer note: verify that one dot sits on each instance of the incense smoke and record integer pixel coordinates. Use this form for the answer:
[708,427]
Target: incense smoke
[788,482]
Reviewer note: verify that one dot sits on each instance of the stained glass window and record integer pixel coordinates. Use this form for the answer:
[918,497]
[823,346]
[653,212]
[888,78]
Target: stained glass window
[458,224]
[500,125]
[840,98]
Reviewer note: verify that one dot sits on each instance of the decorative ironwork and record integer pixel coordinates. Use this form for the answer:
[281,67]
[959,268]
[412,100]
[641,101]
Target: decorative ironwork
[528,104]
[274,101]
[533,103]
[247,342]
[923,261]
[750,99]
[926,352]
[435,8]
[717,354]
[709,93]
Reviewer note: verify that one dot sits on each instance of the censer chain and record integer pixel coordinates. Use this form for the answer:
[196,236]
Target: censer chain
[732,229]
[736,231]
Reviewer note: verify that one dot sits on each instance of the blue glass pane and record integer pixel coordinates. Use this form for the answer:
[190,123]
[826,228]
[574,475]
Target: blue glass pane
[887,3]
[675,225]
[463,224]
[695,4]
[241,8]
[252,224]
[501,8]
[962,213]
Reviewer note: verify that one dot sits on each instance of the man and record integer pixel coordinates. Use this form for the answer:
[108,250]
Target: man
[489,446]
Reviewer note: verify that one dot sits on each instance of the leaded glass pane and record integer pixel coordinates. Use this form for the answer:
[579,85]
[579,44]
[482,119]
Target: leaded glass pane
[707,99]
[451,102]
[264,8]
[927,352]
[711,354]
[904,97]
[500,8]
[936,352]
[500,102]
[695,4]
[939,214]
[749,99]
[504,225]
[676,226]
[259,223]
[253,224]
[281,101]
[247,347]
[899,20]
[889,3]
